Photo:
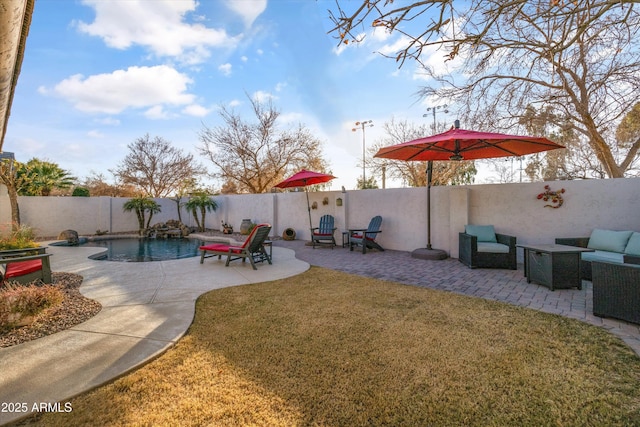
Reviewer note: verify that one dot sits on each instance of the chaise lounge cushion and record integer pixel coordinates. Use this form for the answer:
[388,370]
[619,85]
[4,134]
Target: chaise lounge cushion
[485,233]
[16,269]
[607,240]
[221,247]
[633,246]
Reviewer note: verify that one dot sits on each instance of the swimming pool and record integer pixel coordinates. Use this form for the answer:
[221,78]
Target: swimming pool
[145,250]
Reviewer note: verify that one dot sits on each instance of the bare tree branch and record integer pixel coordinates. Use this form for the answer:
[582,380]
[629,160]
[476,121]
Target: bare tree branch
[253,157]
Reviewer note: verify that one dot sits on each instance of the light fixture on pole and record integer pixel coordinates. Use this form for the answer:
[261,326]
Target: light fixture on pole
[433,110]
[362,125]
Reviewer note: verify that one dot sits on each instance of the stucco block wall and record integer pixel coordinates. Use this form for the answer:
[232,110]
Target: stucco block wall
[512,208]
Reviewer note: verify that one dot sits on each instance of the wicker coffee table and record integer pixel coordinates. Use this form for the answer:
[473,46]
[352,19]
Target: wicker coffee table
[553,266]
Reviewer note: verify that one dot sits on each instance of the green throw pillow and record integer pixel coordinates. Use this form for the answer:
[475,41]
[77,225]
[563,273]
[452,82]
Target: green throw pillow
[485,233]
[607,240]
[633,246]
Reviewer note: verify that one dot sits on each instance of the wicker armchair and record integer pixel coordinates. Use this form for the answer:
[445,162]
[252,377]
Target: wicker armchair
[469,255]
[616,290]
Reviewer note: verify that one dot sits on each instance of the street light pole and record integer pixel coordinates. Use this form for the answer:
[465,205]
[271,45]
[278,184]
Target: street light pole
[433,110]
[363,124]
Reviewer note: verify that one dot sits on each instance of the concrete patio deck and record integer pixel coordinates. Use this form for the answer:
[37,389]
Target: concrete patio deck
[147,307]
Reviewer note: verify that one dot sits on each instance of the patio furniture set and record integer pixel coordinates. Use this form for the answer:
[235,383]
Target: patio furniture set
[609,259]
[364,237]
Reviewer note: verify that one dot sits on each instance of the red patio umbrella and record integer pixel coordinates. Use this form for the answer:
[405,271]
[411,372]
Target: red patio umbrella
[304,178]
[461,144]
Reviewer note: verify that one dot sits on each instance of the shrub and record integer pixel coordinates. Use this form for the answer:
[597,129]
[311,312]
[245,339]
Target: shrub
[80,192]
[251,227]
[23,237]
[18,302]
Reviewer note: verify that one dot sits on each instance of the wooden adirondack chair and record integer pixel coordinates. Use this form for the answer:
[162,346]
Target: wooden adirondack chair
[252,249]
[25,265]
[324,233]
[366,237]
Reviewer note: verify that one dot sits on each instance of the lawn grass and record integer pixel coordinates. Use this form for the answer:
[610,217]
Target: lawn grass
[327,348]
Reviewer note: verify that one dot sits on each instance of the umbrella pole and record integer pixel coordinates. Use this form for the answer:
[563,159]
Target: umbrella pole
[308,208]
[429,252]
[429,177]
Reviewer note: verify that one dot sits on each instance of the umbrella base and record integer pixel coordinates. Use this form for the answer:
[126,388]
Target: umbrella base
[430,254]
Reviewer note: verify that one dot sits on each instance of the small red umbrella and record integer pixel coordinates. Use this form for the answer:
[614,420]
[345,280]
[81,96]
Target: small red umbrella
[304,178]
[461,144]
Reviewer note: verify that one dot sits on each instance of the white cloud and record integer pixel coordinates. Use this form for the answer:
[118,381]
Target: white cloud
[225,69]
[290,118]
[196,110]
[109,121]
[95,134]
[262,96]
[244,58]
[392,48]
[235,103]
[135,87]
[280,86]
[249,10]
[159,26]
[156,113]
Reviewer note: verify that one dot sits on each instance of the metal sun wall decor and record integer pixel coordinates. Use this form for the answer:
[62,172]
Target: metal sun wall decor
[554,196]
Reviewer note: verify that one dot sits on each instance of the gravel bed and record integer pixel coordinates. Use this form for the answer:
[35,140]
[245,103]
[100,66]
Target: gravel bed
[74,309]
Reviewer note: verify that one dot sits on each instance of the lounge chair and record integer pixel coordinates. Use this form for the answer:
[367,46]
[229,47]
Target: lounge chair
[481,247]
[323,235]
[25,265]
[252,249]
[366,237]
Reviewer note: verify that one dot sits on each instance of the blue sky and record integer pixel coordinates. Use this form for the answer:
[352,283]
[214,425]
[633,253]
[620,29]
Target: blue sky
[99,74]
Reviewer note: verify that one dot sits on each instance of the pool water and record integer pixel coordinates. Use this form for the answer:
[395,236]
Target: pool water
[145,250]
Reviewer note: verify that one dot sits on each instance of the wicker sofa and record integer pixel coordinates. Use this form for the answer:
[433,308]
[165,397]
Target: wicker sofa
[616,247]
[616,290]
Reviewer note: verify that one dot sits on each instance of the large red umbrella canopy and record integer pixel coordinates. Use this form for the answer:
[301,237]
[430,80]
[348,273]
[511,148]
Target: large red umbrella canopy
[304,178]
[461,144]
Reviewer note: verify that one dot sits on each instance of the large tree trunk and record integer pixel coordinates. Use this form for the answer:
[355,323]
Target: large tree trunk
[15,209]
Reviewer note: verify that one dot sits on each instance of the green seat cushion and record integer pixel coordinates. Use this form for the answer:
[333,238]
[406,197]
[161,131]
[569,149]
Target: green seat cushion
[603,256]
[633,246]
[607,240]
[493,248]
[485,233]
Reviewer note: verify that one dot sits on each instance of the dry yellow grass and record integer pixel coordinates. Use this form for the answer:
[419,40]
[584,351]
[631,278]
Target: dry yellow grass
[331,349]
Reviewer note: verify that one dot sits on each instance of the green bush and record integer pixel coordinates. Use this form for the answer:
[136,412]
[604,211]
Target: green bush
[23,237]
[80,192]
[20,301]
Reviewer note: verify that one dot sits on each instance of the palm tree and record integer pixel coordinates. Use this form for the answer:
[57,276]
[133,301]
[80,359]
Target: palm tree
[141,205]
[41,177]
[203,203]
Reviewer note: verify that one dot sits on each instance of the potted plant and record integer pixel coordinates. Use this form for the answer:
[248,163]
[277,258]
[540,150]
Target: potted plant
[226,228]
